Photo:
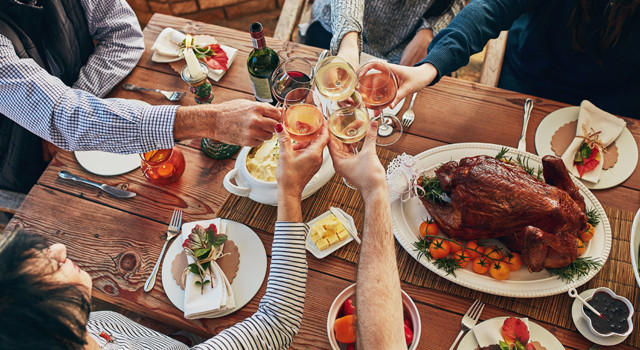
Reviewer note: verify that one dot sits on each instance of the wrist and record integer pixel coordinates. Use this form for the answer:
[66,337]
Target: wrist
[374,189]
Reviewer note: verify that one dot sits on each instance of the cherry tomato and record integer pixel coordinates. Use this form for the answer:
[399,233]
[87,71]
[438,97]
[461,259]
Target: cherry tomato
[456,245]
[481,265]
[408,334]
[462,258]
[582,246]
[407,322]
[439,248]
[348,308]
[494,253]
[499,271]
[345,328]
[428,228]
[473,249]
[587,234]
[514,262]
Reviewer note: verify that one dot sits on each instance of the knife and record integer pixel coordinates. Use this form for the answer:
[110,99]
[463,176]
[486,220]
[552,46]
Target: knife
[345,223]
[114,191]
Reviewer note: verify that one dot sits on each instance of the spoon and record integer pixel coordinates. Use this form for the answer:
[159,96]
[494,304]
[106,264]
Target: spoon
[528,106]
[574,294]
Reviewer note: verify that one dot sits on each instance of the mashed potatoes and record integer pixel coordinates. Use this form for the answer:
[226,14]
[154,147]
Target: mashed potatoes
[262,161]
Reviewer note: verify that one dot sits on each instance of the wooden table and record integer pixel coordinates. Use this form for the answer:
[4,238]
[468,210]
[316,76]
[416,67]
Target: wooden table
[118,241]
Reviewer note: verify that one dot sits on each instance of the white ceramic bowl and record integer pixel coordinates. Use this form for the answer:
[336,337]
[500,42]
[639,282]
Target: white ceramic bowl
[635,245]
[267,192]
[347,292]
[614,296]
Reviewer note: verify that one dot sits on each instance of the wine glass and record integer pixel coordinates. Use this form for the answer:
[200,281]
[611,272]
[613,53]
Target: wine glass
[295,72]
[378,86]
[335,78]
[349,124]
[302,116]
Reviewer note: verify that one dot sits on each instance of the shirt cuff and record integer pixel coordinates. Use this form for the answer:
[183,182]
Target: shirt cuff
[156,127]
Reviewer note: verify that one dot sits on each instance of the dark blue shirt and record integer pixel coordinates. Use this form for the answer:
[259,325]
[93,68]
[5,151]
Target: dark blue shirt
[540,59]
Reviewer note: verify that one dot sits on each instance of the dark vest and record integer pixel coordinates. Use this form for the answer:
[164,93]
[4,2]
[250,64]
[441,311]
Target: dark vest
[61,27]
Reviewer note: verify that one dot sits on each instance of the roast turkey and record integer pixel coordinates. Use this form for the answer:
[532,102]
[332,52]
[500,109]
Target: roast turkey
[491,198]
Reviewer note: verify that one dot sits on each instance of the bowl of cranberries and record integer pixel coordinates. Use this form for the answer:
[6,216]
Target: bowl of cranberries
[341,328]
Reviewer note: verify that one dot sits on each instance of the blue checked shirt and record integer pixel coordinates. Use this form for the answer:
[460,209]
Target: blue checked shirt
[77,118]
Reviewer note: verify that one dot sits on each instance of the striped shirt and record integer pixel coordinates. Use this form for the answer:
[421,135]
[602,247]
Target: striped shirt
[76,118]
[273,326]
[385,27]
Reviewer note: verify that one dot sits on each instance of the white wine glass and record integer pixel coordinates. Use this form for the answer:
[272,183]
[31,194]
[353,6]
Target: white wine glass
[349,124]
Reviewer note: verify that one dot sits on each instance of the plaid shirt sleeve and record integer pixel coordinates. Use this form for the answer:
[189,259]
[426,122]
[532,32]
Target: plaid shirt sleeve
[75,119]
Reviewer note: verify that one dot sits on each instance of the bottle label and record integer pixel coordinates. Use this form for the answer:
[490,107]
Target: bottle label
[261,89]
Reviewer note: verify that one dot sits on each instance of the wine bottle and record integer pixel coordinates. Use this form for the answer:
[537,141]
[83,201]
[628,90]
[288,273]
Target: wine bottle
[261,63]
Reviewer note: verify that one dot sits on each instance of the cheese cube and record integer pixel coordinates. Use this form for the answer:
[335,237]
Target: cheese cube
[322,244]
[333,239]
[342,233]
[315,234]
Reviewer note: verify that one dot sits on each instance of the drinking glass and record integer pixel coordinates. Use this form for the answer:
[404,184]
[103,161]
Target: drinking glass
[302,116]
[335,78]
[163,166]
[294,73]
[349,124]
[378,86]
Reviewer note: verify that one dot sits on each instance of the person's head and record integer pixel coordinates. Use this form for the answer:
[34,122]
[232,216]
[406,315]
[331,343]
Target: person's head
[618,17]
[44,297]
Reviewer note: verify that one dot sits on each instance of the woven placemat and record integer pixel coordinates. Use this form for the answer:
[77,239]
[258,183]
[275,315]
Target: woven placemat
[616,274]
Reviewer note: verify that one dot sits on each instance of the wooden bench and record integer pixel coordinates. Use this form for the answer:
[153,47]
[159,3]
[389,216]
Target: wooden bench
[10,201]
[295,12]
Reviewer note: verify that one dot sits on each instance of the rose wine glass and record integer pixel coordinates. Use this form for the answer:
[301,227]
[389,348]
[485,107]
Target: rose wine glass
[302,116]
[378,86]
[349,124]
[294,73]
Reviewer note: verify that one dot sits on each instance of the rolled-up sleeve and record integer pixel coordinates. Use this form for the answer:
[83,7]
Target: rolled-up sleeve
[346,17]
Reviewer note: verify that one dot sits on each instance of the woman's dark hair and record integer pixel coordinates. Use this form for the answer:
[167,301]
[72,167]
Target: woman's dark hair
[618,15]
[438,8]
[36,313]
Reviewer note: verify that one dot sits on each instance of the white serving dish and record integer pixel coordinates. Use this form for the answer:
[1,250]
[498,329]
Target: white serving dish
[407,304]
[407,217]
[267,192]
[635,246]
[320,254]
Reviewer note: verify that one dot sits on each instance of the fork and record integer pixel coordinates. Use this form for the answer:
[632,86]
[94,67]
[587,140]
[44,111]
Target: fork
[409,115]
[469,320]
[170,95]
[172,231]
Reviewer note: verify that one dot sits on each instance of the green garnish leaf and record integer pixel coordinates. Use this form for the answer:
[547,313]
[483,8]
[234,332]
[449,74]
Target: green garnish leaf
[578,268]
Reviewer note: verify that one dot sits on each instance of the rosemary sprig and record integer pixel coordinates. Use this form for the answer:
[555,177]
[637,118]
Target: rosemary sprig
[448,265]
[579,268]
[522,162]
[593,217]
[432,189]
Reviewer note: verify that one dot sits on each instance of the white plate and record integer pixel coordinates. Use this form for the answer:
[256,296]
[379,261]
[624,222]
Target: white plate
[320,254]
[627,148]
[536,333]
[251,272]
[107,164]
[635,245]
[583,327]
[407,217]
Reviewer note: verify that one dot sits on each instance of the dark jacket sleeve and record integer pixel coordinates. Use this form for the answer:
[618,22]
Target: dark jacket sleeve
[470,30]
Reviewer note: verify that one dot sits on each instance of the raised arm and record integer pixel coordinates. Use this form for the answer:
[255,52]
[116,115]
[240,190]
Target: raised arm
[378,297]
[279,315]
[346,25]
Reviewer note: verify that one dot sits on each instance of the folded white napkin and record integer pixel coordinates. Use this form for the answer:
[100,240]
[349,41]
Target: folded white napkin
[594,118]
[214,300]
[488,332]
[166,49]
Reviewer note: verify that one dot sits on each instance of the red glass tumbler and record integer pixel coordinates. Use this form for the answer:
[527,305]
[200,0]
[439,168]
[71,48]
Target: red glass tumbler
[163,166]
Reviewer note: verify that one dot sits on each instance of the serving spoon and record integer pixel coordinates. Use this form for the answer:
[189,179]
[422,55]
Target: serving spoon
[574,294]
